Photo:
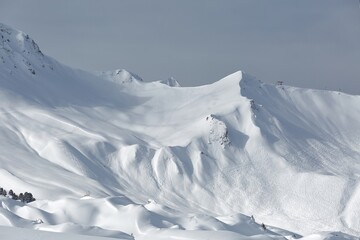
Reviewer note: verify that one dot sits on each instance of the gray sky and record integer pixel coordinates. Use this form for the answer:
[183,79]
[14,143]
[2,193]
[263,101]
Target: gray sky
[306,43]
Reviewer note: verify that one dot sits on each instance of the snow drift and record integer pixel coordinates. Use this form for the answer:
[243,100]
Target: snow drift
[204,156]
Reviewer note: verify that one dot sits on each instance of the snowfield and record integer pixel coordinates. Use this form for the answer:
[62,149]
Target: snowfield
[108,155]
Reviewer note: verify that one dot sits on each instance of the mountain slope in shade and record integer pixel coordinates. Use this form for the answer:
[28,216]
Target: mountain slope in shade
[204,156]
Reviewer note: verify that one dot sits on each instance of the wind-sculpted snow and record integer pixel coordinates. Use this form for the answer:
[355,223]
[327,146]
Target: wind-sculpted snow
[108,154]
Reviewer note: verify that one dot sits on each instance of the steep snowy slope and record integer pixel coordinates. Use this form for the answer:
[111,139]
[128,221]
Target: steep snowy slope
[288,156]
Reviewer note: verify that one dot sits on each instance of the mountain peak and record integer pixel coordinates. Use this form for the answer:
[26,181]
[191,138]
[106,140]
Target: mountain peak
[20,52]
[120,76]
[171,82]
[16,41]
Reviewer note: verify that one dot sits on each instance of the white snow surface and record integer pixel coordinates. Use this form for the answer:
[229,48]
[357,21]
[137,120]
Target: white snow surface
[110,155]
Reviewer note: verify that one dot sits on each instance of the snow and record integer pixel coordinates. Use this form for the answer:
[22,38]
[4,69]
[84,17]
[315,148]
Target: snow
[93,148]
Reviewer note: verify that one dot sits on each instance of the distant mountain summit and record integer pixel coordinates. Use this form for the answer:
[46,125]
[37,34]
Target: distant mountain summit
[120,76]
[110,154]
[171,82]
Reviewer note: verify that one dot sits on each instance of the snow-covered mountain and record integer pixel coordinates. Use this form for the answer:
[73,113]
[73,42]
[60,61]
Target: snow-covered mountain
[108,154]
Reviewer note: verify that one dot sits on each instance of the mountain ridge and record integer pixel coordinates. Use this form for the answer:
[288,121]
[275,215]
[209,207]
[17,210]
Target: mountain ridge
[287,155]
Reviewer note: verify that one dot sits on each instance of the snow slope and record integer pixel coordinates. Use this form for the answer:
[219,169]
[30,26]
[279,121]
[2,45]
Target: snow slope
[204,156]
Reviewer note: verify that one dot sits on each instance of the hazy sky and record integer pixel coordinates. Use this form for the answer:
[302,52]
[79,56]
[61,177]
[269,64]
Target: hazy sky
[306,43]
